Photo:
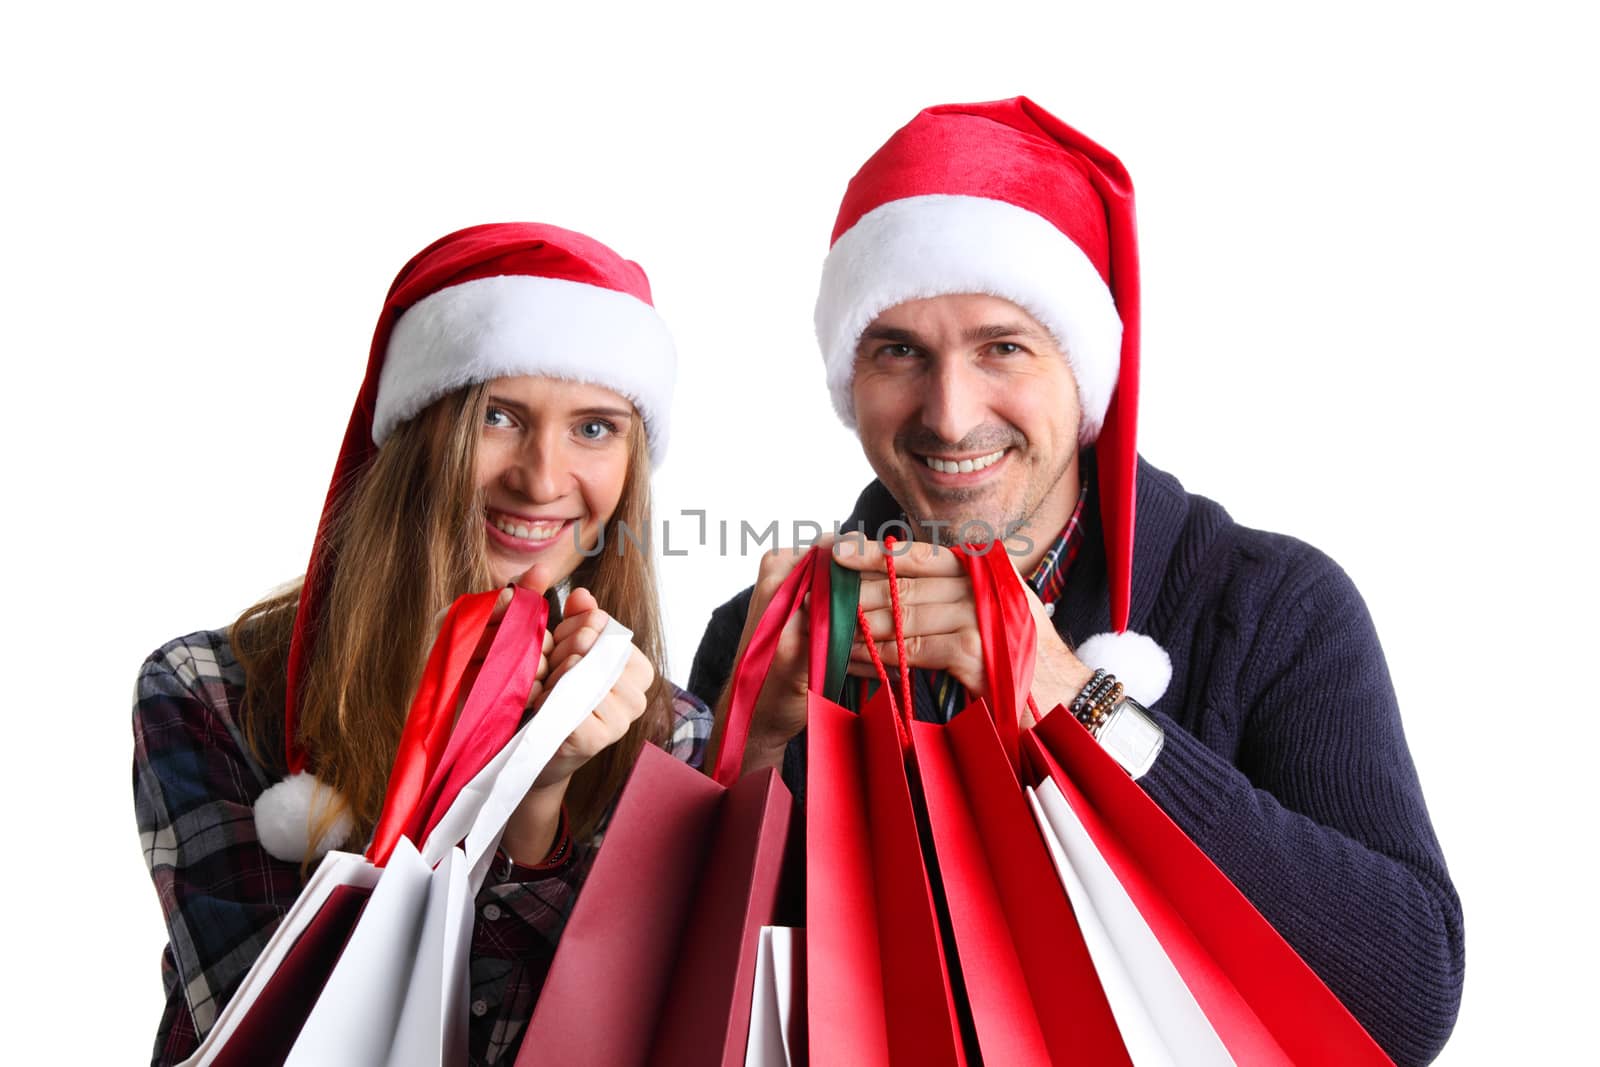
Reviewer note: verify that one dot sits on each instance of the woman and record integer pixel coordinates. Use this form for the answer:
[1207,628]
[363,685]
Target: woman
[515,399]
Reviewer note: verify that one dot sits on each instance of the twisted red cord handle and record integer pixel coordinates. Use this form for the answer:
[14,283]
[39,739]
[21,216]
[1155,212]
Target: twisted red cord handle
[903,709]
[901,721]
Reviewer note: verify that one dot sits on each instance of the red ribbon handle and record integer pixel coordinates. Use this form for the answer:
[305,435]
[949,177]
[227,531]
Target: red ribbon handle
[424,742]
[493,709]
[1008,635]
[751,670]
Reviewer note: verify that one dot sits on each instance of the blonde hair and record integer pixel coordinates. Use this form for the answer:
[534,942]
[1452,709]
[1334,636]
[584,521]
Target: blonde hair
[408,540]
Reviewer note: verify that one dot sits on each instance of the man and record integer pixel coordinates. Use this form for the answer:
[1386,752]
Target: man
[979,324]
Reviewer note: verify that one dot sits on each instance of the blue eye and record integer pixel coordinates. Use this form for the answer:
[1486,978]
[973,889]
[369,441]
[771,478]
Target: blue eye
[595,429]
[496,417]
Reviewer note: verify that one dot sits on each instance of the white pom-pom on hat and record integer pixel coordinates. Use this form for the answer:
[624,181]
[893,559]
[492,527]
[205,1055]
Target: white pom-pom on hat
[284,817]
[1142,666]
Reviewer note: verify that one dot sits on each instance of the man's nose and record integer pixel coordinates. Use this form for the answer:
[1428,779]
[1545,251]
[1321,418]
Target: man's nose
[953,402]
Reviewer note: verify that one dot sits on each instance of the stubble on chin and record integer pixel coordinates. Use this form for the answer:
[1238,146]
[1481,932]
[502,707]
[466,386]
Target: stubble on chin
[955,513]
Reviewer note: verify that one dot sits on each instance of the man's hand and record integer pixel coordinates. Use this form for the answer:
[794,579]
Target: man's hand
[780,710]
[940,619]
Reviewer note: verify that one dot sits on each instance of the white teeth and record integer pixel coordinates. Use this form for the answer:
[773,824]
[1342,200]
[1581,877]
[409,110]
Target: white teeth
[542,531]
[964,466]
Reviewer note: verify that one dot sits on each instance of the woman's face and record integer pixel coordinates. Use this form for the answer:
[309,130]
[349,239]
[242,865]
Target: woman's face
[551,464]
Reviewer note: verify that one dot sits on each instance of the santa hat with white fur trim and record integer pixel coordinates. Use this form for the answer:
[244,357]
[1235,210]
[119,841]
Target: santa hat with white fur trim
[491,301]
[1004,198]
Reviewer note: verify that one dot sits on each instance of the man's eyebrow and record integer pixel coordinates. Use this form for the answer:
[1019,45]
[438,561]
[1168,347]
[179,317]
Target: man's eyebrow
[892,334]
[995,331]
[977,335]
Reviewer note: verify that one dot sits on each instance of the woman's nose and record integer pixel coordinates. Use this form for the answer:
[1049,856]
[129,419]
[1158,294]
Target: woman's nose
[538,474]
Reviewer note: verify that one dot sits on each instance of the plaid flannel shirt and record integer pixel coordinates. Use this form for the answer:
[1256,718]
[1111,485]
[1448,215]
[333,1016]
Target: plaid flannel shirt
[194,783]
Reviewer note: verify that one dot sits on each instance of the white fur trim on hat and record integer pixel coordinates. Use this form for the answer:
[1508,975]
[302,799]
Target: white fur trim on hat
[518,324]
[283,818]
[935,245]
[1142,666]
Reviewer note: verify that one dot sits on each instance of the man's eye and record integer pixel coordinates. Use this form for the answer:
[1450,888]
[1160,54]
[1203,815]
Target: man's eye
[595,429]
[898,351]
[1005,348]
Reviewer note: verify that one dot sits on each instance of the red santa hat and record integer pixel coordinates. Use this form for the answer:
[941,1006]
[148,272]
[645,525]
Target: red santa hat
[1005,199]
[492,301]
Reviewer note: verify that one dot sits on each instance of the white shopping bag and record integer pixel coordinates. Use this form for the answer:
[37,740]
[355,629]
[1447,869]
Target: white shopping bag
[777,1000]
[398,994]
[432,1022]
[1161,1023]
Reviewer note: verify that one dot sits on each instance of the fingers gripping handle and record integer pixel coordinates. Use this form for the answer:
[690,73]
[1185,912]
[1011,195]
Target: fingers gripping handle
[751,670]
[480,811]
[1007,633]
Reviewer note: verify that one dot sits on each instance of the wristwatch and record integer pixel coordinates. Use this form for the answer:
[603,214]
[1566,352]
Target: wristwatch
[1131,737]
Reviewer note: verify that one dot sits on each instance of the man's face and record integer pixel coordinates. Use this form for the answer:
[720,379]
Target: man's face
[968,413]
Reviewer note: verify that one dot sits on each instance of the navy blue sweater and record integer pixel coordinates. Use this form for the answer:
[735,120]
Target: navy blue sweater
[1284,758]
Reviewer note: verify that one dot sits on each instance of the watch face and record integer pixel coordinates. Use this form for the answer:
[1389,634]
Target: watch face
[1131,737]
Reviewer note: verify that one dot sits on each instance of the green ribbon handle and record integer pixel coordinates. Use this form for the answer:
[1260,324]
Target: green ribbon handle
[844,593]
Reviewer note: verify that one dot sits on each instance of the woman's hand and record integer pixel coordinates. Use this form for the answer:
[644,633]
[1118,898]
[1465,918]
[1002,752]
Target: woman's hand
[618,710]
[532,829]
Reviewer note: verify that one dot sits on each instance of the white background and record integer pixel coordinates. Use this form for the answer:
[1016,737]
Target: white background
[1369,272]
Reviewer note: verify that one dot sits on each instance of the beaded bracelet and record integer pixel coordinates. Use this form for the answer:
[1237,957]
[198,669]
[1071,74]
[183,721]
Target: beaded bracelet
[1095,702]
[1100,682]
[1101,710]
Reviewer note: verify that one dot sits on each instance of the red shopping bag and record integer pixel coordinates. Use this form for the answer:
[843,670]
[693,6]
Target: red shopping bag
[878,984]
[1264,1004]
[267,1032]
[1018,946]
[1015,955]
[263,1020]
[657,961]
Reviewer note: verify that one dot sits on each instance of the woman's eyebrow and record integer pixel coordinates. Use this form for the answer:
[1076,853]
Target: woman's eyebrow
[596,410]
[507,402]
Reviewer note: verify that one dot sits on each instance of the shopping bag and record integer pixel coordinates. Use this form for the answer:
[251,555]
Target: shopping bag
[1015,955]
[259,1023]
[407,917]
[1161,1020]
[777,1010]
[1191,971]
[373,1009]
[878,977]
[656,963]
[1017,944]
